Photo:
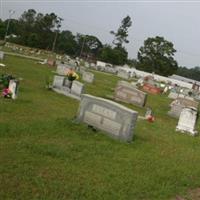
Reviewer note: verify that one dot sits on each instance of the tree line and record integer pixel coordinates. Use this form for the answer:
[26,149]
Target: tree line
[43,31]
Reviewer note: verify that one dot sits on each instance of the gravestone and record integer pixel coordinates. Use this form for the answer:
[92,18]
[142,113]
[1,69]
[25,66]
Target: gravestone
[77,88]
[180,103]
[62,69]
[51,62]
[187,121]
[82,69]
[113,118]
[13,87]
[58,81]
[151,89]
[123,74]
[125,92]
[173,95]
[1,55]
[88,77]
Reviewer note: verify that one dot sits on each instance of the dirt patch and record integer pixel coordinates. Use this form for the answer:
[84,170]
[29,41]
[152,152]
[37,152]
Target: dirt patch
[191,195]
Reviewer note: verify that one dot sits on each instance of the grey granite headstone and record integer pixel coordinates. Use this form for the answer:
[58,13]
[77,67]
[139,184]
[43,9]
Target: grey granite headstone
[88,77]
[187,121]
[58,81]
[125,92]
[1,55]
[77,88]
[113,118]
[13,87]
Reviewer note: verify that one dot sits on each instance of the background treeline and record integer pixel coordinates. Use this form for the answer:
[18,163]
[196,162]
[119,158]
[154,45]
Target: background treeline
[44,31]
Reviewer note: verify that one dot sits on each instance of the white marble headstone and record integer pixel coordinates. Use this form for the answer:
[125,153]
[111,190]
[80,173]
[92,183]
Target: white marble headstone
[13,87]
[187,120]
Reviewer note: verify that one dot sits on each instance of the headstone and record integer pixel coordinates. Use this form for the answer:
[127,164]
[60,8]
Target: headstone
[58,81]
[187,120]
[180,103]
[51,62]
[13,87]
[88,77]
[151,89]
[77,88]
[62,69]
[123,74]
[125,92]
[113,118]
[173,95]
[82,69]
[1,55]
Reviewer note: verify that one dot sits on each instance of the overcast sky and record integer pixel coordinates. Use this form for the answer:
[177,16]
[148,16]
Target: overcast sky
[176,21]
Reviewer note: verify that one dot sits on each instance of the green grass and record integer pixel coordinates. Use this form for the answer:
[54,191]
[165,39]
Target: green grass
[44,154]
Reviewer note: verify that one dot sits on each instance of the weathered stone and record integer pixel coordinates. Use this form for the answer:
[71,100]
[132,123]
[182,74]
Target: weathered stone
[125,92]
[187,120]
[88,77]
[113,118]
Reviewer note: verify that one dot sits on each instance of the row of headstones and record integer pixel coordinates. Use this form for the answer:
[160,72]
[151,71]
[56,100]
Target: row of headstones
[126,92]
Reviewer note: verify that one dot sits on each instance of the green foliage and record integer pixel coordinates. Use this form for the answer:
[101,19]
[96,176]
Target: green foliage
[193,73]
[122,32]
[116,55]
[157,56]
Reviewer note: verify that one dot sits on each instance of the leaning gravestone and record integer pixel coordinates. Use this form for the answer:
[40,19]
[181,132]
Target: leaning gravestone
[1,55]
[125,92]
[13,87]
[187,121]
[113,118]
[88,77]
[123,74]
[180,103]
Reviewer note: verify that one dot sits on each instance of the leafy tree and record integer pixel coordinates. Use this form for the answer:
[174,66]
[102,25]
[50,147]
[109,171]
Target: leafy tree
[88,44]
[193,73]
[122,32]
[157,56]
[116,56]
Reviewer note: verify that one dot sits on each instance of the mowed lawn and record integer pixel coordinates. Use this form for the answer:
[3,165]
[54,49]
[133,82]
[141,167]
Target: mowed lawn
[45,154]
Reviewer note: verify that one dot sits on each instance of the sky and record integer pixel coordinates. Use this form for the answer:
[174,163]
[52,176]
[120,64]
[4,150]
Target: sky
[176,21]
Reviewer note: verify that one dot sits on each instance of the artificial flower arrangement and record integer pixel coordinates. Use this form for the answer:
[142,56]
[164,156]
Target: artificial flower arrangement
[4,85]
[72,75]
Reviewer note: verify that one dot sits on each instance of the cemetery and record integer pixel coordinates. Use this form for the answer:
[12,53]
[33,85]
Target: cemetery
[74,142]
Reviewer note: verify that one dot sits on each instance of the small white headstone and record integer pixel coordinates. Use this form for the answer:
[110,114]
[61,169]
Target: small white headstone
[58,81]
[13,87]
[187,121]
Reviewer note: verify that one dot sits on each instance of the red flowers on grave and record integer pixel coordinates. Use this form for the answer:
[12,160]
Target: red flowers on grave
[6,93]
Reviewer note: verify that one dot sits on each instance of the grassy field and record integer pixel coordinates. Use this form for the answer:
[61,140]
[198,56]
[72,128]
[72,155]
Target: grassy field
[45,155]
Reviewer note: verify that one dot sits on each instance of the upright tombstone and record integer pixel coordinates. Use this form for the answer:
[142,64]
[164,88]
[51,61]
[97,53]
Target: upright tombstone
[1,55]
[88,77]
[62,69]
[125,92]
[113,118]
[58,81]
[77,88]
[13,87]
[123,74]
[187,121]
